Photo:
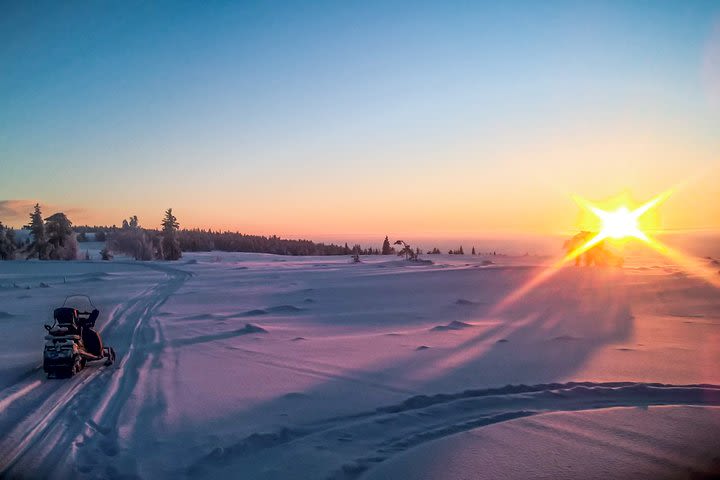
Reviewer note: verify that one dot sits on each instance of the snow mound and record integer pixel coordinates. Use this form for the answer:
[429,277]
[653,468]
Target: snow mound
[250,328]
[4,315]
[254,313]
[422,347]
[254,443]
[284,309]
[454,325]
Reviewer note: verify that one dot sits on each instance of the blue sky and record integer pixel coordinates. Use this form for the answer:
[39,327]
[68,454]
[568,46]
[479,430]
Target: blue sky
[259,115]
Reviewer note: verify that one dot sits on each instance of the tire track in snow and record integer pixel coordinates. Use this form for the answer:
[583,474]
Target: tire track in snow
[133,366]
[53,414]
[45,402]
[357,442]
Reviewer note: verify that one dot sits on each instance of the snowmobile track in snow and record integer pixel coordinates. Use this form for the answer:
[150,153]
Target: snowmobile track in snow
[363,440]
[40,416]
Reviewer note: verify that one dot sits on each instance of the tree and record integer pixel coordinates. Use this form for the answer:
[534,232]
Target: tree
[473,251]
[62,244]
[460,252]
[132,240]
[170,245]
[38,245]
[406,251]
[386,248]
[7,243]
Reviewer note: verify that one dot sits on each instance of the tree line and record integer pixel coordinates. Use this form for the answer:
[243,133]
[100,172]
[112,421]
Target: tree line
[55,238]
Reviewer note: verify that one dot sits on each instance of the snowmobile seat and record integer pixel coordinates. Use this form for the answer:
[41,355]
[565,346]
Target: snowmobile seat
[67,318]
[92,342]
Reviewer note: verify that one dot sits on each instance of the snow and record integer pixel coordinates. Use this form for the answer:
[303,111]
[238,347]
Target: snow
[630,442]
[264,366]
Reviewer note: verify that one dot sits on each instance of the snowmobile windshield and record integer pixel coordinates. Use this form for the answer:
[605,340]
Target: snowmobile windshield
[81,303]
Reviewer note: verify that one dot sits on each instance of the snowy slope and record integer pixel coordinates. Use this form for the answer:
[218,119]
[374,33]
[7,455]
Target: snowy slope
[278,367]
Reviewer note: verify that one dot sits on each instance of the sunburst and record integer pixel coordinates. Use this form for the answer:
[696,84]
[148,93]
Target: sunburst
[618,224]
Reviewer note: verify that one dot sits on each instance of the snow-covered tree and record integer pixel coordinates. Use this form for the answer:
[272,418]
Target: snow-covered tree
[7,243]
[62,244]
[133,240]
[38,246]
[170,244]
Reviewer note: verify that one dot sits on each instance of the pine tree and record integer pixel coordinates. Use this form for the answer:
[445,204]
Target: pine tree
[38,245]
[61,241]
[386,248]
[473,251]
[7,243]
[460,252]
[170,245]
[406,251]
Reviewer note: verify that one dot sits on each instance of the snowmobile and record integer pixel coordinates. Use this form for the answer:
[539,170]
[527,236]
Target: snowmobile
[71,341]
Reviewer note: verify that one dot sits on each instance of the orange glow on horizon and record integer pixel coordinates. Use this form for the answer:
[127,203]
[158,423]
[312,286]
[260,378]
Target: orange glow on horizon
[620,224]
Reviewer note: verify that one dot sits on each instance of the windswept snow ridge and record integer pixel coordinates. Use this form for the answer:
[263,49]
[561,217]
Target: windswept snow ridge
[353,444]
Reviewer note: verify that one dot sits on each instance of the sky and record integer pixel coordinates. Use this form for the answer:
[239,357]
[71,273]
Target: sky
[359,118]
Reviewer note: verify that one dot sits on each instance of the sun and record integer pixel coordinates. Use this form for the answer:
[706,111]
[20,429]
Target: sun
[621,223]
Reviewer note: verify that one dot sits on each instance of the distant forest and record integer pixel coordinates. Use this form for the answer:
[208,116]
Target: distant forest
[56,238]
[198,240]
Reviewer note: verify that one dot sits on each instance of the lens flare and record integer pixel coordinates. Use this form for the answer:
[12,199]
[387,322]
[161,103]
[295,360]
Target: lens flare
[618,224]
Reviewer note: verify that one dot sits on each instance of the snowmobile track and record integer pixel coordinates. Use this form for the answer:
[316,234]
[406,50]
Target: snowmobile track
[366,439]
[52,414]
